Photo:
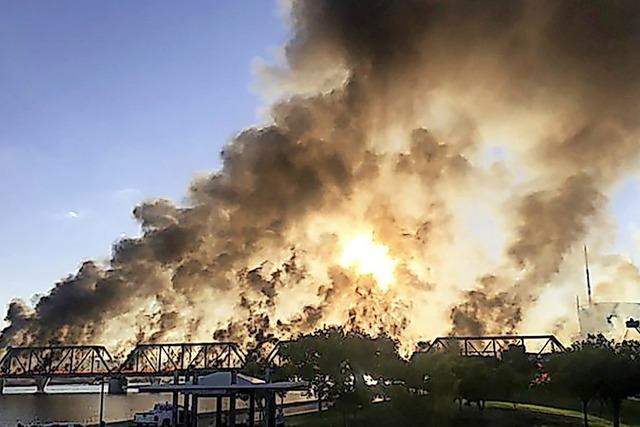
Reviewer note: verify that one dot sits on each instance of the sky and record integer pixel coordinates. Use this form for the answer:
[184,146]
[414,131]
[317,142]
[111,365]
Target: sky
[104,104]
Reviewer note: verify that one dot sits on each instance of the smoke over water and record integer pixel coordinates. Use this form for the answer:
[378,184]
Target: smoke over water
[472,144]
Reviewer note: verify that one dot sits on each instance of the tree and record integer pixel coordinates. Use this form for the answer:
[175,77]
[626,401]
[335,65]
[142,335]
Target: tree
[347,368]
[309,358]
[433,373]
[621,379]
[475,379]
[573,373]
[428,389]
[597,367]
[513,374]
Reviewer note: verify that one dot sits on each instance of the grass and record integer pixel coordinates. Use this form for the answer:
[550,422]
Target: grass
[597,409]
[322,419]
[496,414]
[594,421]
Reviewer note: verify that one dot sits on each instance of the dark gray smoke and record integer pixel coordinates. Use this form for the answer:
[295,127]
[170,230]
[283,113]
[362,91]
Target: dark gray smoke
[381,125]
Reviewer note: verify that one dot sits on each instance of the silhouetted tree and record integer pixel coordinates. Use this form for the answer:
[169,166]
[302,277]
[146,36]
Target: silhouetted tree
[475,376]
[429,389]
[512,375]
[620,375]
[433,373]
[350,368]
[598,367]
[573,373]
[347,368]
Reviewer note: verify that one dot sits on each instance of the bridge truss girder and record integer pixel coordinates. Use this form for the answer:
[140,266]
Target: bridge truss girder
[56,361]
[167,359]
[495,345]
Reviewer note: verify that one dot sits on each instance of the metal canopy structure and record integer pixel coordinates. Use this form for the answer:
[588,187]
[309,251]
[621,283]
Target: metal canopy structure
[226,383]
[230,386]
[495,345]
[56,361]
[167,359]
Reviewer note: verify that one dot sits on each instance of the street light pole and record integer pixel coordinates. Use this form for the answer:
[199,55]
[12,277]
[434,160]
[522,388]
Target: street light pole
[101,421]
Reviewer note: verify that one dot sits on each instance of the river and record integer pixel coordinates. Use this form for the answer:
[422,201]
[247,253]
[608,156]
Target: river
[81,403]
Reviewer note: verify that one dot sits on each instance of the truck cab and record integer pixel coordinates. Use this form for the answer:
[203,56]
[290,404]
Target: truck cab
[160,416]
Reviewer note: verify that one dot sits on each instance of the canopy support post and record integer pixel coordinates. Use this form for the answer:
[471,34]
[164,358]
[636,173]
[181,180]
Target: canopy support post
[271,409]
[232,409]
[174,407]
[218,411]
[252,408]
[185,402]
[194,403]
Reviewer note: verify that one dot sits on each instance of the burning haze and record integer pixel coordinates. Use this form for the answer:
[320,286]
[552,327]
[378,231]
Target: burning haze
[428,167]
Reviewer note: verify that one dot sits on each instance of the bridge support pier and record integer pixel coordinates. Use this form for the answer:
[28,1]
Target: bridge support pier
[41,383]
[1,386]
[118,385]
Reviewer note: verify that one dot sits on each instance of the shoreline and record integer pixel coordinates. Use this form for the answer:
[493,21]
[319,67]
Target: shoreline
[208,418]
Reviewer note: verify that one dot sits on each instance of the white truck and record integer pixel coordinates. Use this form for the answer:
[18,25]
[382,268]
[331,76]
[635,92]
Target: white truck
[160,416]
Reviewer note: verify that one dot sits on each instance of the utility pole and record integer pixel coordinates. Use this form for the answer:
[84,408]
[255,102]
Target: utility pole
[586,268]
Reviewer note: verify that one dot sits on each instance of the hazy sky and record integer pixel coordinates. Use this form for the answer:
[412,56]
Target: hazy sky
[104,103]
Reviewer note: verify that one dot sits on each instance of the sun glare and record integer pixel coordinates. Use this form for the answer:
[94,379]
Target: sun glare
[367,256]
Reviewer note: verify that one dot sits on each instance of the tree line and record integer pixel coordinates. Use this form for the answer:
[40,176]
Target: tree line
[350,371]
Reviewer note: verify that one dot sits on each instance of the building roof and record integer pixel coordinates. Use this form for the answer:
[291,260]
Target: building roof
[222,383]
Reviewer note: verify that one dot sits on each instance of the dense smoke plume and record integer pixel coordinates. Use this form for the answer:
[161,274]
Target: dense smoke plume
[477,141]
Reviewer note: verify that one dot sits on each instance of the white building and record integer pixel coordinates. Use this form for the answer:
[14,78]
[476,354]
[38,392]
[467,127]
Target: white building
[609,319]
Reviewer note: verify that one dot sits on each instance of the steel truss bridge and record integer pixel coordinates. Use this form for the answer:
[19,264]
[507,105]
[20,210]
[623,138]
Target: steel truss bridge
[163,360]
[56,361]
[495,345]
[167,359]
[143,361]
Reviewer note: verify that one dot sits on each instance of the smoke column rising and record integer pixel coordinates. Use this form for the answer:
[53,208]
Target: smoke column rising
[477,141]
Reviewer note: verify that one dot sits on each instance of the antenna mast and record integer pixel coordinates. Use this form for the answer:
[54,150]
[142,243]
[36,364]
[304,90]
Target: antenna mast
[586,269]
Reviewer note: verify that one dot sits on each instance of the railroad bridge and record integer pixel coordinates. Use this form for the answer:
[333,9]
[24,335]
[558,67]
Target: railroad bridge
[495,345]
[94,363]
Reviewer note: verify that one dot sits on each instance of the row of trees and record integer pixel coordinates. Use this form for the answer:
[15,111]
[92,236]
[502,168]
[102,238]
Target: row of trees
[351,370]
[597,368]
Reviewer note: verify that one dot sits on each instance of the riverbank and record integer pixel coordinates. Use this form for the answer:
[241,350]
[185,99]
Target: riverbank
[209,418]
